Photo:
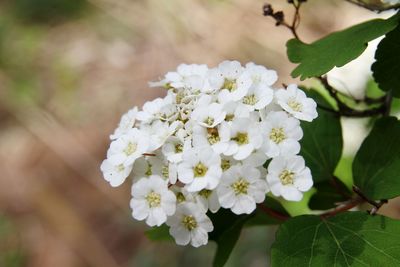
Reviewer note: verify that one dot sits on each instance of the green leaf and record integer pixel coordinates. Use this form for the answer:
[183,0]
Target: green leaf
[347,239]
[376,166]
[262,218]
[328,193]
[321,145]
[336,49]
[386,69]
[159,233]
[227,228]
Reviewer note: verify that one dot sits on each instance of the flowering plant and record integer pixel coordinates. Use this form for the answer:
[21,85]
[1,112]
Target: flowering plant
[205,144]
[227,148]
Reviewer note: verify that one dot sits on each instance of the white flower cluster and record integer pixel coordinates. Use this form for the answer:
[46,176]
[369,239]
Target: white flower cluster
[203,146]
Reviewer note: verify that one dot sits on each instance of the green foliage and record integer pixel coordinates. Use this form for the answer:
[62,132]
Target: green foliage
[347,239]
[328,193]
[227,228]
[159,233]
[376,167]
[321,145]
[336,49]
[262,218]
[48,11]
[386,69]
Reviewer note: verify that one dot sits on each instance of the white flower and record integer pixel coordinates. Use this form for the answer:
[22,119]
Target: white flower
[182,195]
[241,188]
[200,169]
[260,74]
[173,148]
[256,159]
[190,224]
[147,166]
[187,76]
[295,101]
[126,123]
[217,138]
[208,200]
[282,134]
[208,116]
[151,200]
[115,174]
[126,149]
[230,79]
[258,97]
[169,171]
[159,109]
[235,110]
[289,177]
[245,136]
[159,132]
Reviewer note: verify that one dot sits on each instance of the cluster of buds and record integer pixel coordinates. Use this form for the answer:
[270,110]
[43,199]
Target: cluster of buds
[204,146]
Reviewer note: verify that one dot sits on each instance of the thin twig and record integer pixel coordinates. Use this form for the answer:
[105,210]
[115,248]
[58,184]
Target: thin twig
[276,214]
[347,206]
[376,205]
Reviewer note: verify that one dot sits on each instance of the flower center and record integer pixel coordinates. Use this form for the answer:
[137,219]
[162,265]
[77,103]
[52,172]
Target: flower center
[200,170]
[229,117]
[165,171]
[120,167]
[241,138]
[189,222]
[250,99]
[240,186]
[148,171]
[286,177]
[277,135]
[225,164]
[205,193]
[130,149]
[178,148]
[153,199]
[230,85]
[180,197]
[213,136]
[209,121]
[296,106]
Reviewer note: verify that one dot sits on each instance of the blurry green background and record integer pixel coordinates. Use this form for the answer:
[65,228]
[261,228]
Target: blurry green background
[68,70]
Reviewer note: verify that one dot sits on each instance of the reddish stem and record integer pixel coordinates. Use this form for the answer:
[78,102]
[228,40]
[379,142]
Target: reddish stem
[273,213]
[349,205]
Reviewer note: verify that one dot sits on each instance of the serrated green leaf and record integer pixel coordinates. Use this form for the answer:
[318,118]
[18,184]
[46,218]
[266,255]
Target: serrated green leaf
[347,239]
[160,233]
[386,69]
[376,167]
[322,144]
[336,49]
[227,228]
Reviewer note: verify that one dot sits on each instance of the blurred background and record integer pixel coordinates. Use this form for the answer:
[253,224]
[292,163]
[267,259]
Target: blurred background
[70,68]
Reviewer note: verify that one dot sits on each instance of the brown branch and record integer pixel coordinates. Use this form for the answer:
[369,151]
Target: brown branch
[345,207]
[346,111]
[273,213]
[376,205]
